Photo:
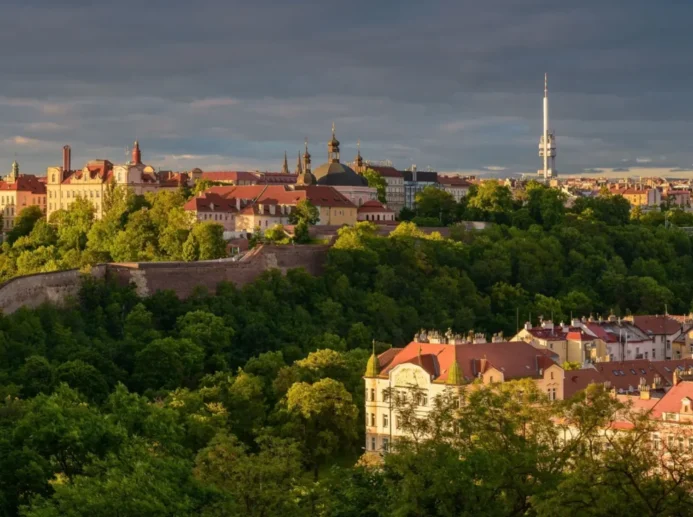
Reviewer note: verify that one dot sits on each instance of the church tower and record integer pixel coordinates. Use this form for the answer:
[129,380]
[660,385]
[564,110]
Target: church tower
[358,161]
[306,176]
[15,172]
[333,148]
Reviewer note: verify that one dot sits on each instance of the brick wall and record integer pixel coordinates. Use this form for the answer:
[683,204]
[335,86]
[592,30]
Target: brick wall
[149,277]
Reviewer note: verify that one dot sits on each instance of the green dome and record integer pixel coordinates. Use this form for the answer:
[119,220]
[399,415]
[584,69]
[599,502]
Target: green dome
[373,366]
[454,375]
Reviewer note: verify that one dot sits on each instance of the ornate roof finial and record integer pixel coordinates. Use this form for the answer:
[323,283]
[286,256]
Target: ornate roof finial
[333,129]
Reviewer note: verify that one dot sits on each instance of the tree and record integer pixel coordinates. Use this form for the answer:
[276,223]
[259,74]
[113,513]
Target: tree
[276,233]
[24,222]
[168,363]
[84,378]
[209,239]
[436,203]
[252,484]
[74,224]
[378,182]
[490,200]
[326,416]
[137,481]
[138,242]
[303,216]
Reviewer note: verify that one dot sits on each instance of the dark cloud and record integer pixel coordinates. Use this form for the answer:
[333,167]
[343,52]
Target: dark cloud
[620,169]
[451,84]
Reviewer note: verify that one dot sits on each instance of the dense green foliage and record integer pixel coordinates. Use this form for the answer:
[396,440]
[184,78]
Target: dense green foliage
[235,403]
[133,228]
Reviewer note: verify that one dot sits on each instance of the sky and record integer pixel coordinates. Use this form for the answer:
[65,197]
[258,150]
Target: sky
[454,85]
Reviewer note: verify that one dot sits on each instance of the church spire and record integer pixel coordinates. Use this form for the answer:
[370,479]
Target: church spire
[285,166]
[306,159]
[373,366]
[299,167]
[15,172]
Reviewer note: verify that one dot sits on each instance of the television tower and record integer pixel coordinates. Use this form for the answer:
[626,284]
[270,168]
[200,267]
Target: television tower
[547,142]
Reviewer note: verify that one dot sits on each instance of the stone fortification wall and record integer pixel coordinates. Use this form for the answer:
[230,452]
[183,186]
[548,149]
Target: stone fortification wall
[149,277]
[33,290]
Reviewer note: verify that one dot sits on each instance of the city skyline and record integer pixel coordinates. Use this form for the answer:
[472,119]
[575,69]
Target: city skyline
[454,86]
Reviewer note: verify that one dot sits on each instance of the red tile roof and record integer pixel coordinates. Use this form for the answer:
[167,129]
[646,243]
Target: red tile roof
[234,176]
[577,380]
[453,181]
[387,172]
[373,206]
[25,183]
[514,359]
[626,375]
[661,324]
[671,402]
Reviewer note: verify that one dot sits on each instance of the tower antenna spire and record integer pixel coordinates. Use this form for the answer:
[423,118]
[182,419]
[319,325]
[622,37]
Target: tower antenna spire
[546,84]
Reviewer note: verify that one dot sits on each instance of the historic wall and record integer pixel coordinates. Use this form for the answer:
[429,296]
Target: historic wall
[149,277]
[33,290]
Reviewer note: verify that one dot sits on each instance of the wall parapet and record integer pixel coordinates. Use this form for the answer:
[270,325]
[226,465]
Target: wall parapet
[149,277]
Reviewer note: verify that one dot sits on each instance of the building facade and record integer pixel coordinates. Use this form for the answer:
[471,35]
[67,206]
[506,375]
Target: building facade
[65,185]
[415,182]
[243,209]
[435,365]
[17,192]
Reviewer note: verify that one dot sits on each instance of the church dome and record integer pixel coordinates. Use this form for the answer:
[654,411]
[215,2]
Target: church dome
[336,174]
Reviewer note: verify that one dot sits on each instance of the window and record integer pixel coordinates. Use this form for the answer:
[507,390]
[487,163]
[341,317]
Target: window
[680,445]
[372,395]
[373,443]
[551,375]
[670,442]
[656,444]
[386,396]
[373,420]
[490,379]
[386,444]
[396,422]
[423,399]
[386,421]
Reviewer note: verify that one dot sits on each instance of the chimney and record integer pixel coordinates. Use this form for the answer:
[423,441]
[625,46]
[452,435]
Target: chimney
[645,392]
[676,378]
[67,158]
[547,324]
[528,325]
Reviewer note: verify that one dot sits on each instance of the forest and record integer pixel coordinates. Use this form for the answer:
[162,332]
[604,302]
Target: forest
[250,401]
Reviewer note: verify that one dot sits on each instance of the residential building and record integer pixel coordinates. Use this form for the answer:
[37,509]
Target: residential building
[17,192]
[243,209]
[65,185]
[455,185]
[643,198]
[394,192]
[231,177]
[573,343]
[415,182]
[437,365]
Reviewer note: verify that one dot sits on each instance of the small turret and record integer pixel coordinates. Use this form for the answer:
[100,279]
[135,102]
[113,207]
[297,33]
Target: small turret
[454,375]
[136,154]
[373,366]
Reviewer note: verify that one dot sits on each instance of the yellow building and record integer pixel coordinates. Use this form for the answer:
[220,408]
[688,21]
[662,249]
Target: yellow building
[64,185]
[571,343]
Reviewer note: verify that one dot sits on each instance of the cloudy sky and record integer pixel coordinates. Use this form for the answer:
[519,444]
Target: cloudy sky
[450,84]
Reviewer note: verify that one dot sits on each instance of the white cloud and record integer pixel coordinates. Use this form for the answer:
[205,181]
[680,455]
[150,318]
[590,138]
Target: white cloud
[22,140]
[215,102]
[643,160]
[495,168]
